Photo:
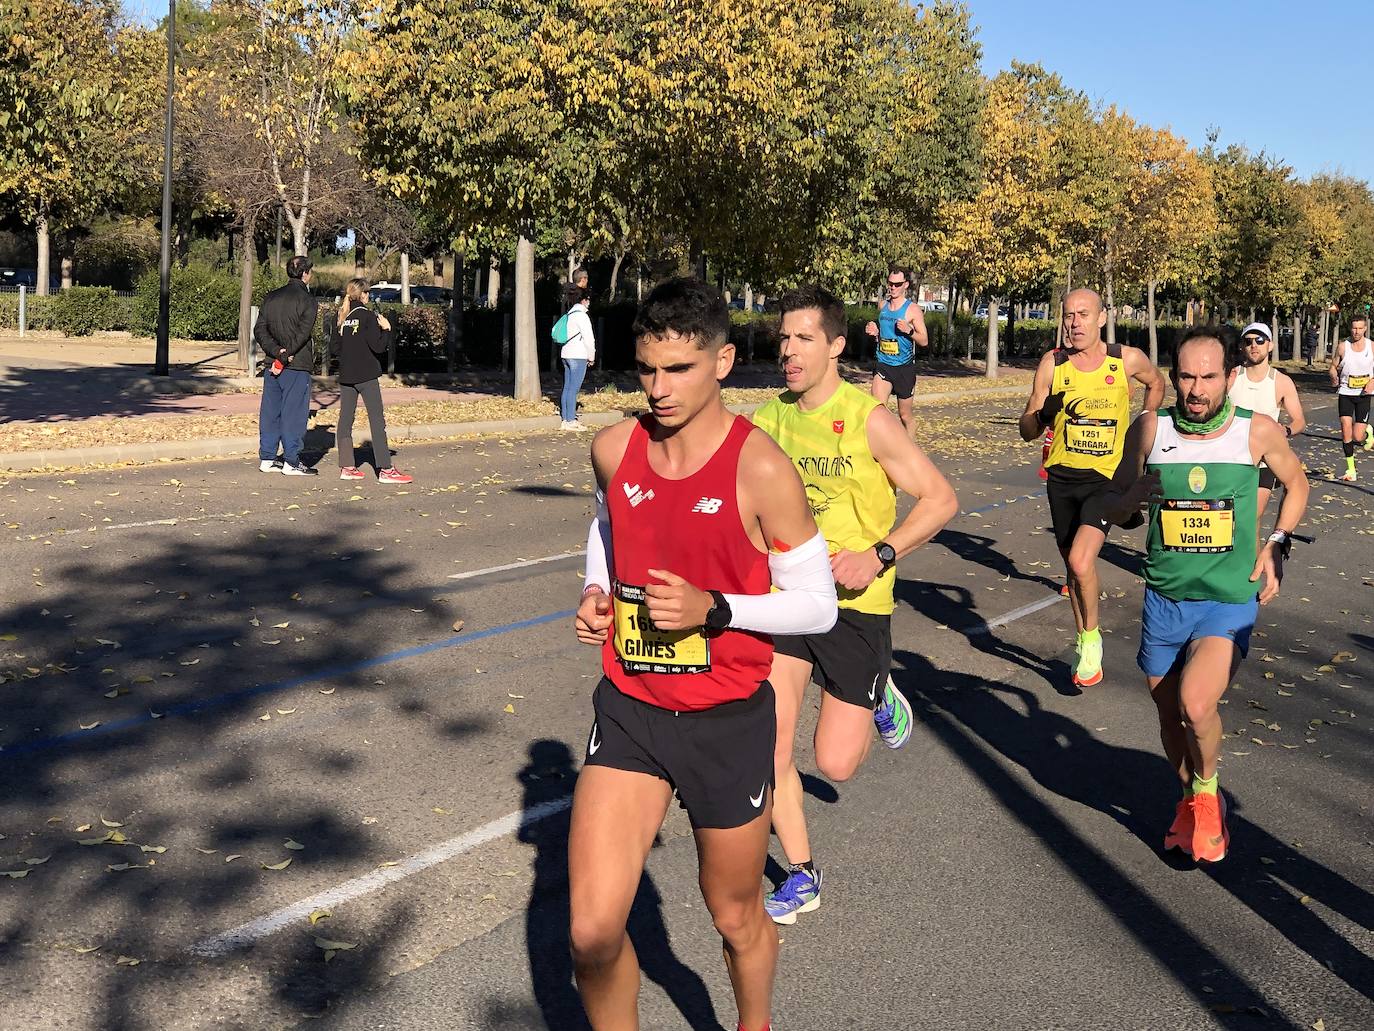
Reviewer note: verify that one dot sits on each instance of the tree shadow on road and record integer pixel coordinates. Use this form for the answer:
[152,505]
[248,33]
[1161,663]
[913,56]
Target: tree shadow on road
[55,395]
[1138,790]
[178,697]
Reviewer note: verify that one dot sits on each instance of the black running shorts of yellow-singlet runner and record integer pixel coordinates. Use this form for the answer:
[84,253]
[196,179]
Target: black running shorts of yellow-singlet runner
[851,660]
[718,760]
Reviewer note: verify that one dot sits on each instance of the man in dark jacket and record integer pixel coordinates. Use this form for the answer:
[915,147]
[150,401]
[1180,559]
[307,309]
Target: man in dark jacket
[285,328]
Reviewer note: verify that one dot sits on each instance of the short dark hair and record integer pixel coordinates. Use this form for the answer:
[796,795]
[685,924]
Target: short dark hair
[687,306]
[1359,317]
[813,295]
[298,266]
[1223,334]
[906,273]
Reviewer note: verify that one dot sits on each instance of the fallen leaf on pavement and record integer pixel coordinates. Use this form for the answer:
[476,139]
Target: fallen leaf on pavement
[277,866]
[457,625]
[319,914]
[230,858]
[293,844]
[16,874]
[127,961]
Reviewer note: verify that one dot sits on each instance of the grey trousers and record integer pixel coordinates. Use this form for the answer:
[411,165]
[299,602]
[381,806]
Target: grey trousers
[371,392]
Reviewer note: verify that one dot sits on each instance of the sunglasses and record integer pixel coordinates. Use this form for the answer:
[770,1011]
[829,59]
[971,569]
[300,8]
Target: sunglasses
[1255,341]
[896,282]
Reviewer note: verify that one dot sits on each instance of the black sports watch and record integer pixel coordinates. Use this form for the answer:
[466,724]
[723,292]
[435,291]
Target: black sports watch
[719,615]
[887,555]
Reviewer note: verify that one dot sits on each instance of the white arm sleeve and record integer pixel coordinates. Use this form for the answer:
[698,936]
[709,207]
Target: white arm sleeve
[804,602]
[599,547]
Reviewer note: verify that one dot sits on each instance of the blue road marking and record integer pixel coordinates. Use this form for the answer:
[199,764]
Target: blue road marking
[230,697]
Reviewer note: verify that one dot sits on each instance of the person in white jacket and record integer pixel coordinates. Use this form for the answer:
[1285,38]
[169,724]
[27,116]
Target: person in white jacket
[578,353]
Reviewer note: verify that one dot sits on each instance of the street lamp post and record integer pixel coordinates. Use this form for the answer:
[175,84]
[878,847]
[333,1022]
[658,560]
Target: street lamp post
[164,289]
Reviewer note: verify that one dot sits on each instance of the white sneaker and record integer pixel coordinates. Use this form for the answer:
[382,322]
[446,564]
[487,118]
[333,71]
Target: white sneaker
[569,427]
[269,467]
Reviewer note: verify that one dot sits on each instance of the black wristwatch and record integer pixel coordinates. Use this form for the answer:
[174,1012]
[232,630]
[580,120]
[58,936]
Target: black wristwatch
[887,555]
[719,615]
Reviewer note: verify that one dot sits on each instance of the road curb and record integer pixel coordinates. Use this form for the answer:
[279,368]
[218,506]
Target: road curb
[227,447]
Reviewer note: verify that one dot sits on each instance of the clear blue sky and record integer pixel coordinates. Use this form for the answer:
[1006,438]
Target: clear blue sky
[1293,79]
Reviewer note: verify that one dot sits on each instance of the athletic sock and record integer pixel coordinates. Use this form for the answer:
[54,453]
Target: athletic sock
[1204,787]
[1094,634]
[808,868]
[1348,446]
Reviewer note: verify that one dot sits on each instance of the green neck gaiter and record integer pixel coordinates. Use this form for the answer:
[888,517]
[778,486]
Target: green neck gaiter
[1182,424]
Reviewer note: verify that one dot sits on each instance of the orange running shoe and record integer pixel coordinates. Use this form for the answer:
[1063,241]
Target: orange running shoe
[1210,836]
[1180,832]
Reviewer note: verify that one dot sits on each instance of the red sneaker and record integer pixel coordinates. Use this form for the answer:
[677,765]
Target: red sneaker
[393,475]
[1210,836]
[350,472]
[1180,832]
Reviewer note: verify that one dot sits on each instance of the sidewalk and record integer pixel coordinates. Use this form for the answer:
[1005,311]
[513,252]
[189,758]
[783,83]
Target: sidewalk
[66,403]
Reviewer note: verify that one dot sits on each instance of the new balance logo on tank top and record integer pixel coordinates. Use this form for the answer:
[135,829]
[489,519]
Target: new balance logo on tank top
[691,527]
[1201,543]
[1090,430]
[850,496]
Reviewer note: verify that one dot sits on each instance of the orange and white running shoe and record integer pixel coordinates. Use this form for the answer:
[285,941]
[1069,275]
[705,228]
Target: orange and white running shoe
[1210,835]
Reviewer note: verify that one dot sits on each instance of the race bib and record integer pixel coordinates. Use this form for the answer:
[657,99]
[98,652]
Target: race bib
[1197,526]
[890,347]
[1359,382]
[643,648]
[1093,437]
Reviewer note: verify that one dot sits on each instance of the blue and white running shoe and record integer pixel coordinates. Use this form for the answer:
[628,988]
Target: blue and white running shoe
[800,893]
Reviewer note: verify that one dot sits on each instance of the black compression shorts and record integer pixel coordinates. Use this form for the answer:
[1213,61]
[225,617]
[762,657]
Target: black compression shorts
[851,660]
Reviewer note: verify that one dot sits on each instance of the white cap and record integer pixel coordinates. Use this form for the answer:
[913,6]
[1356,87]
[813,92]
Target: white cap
[1260,328]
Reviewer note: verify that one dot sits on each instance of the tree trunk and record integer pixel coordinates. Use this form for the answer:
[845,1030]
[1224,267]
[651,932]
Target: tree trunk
[1111,301]
[405,277]
[438,264]
[993,306]
[44,250]
[1297,336]
[454,337]
[476,282]
[1011,329]
[697,258]
[494,282]
[245,308]
[298,243]
[1154,329]
[66,266]
[749,298]
[615,274]
[359,255]
[1321,338]
[230,238]
[572,262]
[526,349]
[261,249]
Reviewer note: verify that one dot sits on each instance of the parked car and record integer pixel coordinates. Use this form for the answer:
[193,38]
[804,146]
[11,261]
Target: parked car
[14,278]
[1036,313]
[384,293]
[982,313]
[431,295]
[737,304]
[933,306]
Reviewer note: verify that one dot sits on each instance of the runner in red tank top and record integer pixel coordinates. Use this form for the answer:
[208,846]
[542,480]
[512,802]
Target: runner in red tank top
[700,517]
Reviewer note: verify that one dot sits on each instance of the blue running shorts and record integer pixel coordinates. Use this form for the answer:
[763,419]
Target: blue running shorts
[1167,627]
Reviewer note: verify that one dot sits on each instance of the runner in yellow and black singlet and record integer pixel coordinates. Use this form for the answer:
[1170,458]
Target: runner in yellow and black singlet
[1083,392]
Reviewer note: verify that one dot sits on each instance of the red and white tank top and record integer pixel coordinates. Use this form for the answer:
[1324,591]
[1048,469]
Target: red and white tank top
[691,527]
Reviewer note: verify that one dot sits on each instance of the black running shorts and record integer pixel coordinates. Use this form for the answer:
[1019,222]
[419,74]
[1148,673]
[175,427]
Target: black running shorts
[902,378]
[1075,500]
[718,760]
[1267,480]
[1353,406]
[851,660]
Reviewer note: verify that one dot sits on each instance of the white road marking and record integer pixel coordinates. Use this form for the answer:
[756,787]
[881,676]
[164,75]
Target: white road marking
[130,526]
[523,563]
[271,923]
[1014,615]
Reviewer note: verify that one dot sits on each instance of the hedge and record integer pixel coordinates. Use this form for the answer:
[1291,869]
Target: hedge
[76,311]
[204,304]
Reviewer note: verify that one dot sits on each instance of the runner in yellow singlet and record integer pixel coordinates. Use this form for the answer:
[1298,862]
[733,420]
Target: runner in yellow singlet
[1082,391]
[852,455]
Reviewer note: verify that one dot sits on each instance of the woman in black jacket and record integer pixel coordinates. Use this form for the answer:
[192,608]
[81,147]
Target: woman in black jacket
[362,336]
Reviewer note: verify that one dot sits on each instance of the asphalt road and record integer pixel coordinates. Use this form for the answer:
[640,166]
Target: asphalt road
[217,663]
